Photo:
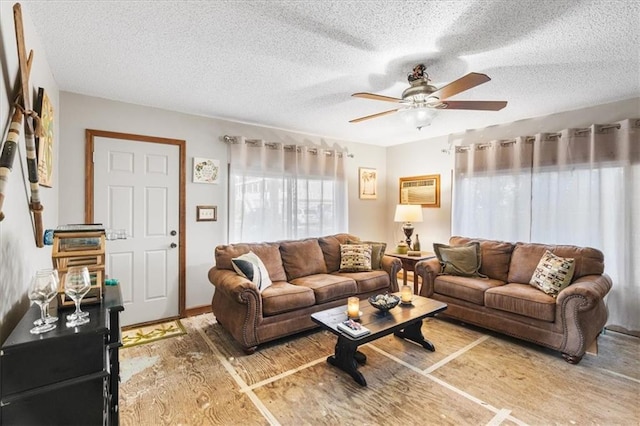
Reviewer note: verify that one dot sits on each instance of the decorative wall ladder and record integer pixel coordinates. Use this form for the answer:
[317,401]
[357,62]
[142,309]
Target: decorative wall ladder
[22,109]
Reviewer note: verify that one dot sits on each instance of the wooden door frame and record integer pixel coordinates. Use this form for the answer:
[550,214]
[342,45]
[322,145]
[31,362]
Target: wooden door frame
[89,195]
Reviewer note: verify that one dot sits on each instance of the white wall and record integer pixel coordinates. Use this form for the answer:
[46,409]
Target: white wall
[366,217]
[426,157]
[19,256]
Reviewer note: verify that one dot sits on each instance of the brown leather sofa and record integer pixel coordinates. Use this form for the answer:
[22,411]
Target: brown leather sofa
[306,279]
[506,303]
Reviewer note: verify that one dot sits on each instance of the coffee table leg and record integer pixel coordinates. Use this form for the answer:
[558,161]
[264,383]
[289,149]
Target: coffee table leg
[347,358]
[412,332]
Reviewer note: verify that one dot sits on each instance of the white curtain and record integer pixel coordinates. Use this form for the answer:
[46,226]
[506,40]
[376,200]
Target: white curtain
[579,186]
[285,192]
[494,178]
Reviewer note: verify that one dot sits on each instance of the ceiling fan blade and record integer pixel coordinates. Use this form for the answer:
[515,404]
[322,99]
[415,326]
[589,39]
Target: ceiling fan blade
[460,85]
[376,97]
[368,117]
[478,105]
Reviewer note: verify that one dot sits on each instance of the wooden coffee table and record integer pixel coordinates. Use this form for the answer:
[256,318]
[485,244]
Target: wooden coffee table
[404,321]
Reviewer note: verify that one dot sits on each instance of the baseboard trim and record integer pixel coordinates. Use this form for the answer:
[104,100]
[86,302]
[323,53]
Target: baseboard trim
[622,330]
[199,310]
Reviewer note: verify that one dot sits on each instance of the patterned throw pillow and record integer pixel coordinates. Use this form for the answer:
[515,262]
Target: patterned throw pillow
[464,260]
[377,252]
[355,257]
[252,268]
[553,273]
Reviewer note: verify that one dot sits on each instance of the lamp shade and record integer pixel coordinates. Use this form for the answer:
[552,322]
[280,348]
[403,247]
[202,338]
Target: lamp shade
[408,213]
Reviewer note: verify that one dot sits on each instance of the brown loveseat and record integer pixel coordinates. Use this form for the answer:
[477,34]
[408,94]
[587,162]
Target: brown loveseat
[505,302]
[306,279]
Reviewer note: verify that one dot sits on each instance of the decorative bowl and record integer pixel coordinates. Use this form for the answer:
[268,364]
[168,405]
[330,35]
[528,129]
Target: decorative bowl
[384,302]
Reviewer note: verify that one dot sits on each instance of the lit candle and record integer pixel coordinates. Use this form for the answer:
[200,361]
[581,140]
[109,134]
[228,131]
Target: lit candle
[406,294]
[353,307]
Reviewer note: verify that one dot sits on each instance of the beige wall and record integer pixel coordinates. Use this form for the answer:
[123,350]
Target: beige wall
[426,157]
[366,217]
[19,256]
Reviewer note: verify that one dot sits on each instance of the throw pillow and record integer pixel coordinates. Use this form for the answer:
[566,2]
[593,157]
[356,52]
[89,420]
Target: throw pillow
[377,252]
[252,268]
[355,257]
[464,260]
[302,258]
[553,273]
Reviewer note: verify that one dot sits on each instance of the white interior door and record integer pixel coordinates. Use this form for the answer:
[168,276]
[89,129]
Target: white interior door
[136,188]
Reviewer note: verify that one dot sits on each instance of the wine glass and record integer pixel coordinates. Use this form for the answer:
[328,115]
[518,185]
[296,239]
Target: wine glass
[40,293]
[77,283]
[52,276]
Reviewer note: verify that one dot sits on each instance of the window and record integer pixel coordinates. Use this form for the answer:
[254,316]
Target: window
[302,194]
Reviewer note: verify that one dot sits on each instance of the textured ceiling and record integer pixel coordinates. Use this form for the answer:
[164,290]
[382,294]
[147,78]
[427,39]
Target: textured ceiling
[294,64]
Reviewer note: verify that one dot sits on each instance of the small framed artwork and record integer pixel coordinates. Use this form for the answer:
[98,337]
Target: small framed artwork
[205,170]
[44,144]
[423,190]
[206,213]
[367,183]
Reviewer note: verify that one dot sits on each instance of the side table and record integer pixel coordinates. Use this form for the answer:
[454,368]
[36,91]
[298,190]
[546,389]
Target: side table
[409,264]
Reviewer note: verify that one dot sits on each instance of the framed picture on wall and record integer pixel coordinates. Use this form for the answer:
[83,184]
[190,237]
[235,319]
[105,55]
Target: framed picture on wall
[423,190]
[44,144]
[367,183]
[206,213]
[205,170]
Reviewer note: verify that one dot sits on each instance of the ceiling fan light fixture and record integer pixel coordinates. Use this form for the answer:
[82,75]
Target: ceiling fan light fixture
[422,100]
[418,116]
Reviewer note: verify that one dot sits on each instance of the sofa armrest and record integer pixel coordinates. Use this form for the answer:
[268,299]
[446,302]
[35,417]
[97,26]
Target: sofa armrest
[428,270]
[582,312]
[392,266]
[232,284]
[237,305]
[590,288]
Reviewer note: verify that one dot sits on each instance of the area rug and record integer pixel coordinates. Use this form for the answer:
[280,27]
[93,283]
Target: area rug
[152,333]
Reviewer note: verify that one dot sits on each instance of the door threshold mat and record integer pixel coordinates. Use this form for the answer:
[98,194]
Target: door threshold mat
[152,333]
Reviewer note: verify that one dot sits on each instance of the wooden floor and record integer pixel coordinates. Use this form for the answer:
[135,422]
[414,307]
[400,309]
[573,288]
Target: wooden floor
[473,378]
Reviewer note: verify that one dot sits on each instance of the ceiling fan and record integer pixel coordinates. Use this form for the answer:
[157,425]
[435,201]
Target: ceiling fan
[421,95]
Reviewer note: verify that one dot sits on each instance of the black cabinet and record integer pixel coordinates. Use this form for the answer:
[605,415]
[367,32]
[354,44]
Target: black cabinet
[66,376]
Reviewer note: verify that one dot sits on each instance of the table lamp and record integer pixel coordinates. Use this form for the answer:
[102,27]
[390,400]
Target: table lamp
[408,213]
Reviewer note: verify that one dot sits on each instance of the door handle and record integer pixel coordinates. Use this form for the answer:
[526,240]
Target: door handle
[173,245]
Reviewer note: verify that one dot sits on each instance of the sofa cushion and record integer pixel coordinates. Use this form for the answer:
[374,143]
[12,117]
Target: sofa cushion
[368,281]
[251,267]
[465,288]
[327,287]
[355,257]
[330,246]
[377,252]
[302,257]
[464,260]
[521,299]
[553,273]
[269,253]
[496,256]
[525,258]
[284,297]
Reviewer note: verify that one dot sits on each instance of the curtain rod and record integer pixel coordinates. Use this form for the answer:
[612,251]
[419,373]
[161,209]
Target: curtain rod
[277,145]
[548,136]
